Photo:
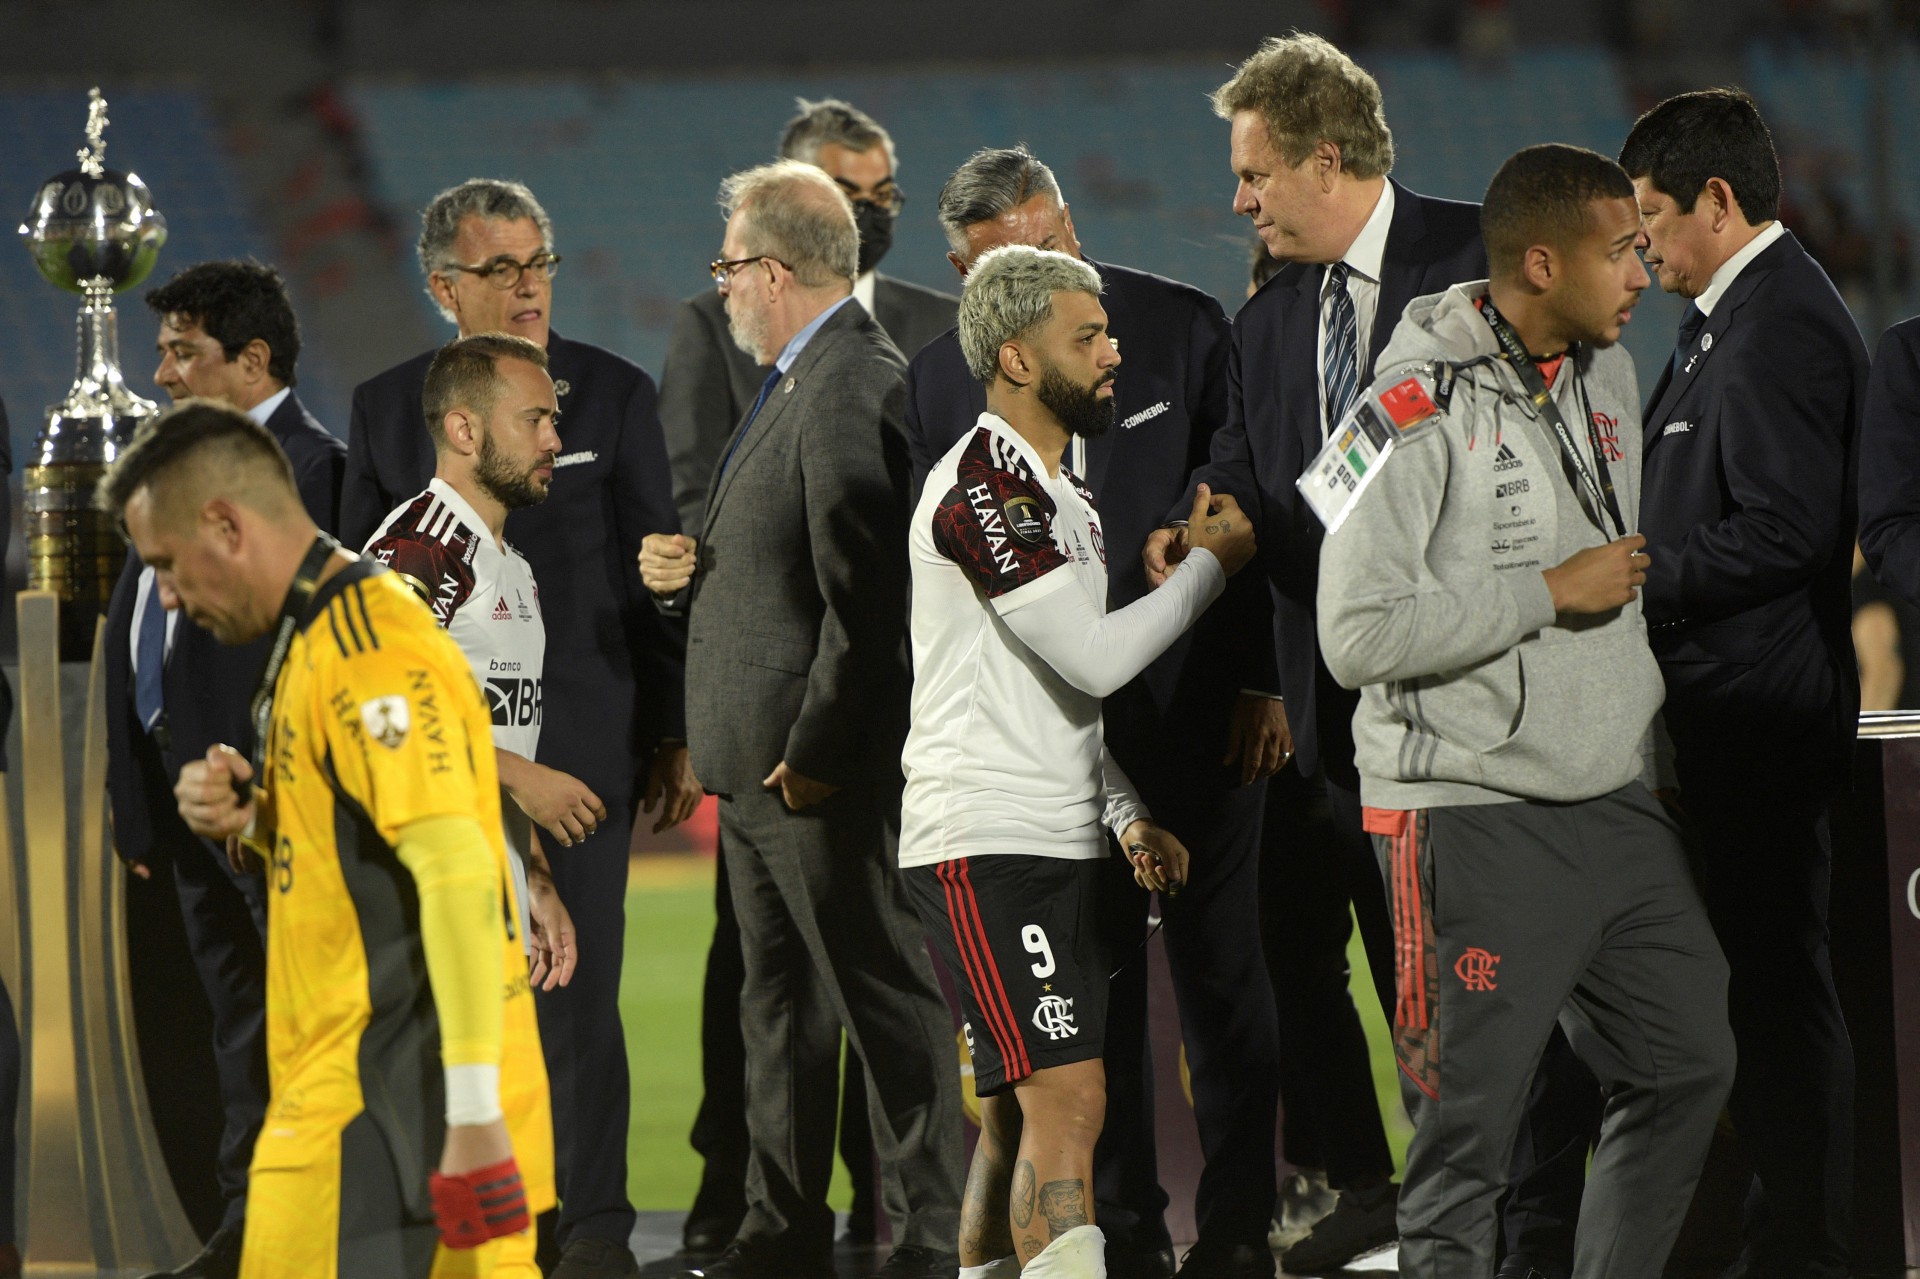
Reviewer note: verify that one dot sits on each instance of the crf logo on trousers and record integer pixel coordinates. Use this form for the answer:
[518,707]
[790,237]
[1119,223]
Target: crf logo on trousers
[1476,969]
[1055,1016]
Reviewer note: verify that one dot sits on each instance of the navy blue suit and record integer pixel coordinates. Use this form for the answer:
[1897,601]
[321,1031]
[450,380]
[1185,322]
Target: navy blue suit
[1317,860]
[1167,729]
[613,691]
[205,691]
[1748,503]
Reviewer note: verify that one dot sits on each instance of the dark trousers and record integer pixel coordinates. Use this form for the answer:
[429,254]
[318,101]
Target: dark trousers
[1766,852]
[9,1111]
[1317,875]
[226,921]
[1226,1017]
[720,1127]
[1561,1124]
[1512,916]
[584,1042]
[830,941]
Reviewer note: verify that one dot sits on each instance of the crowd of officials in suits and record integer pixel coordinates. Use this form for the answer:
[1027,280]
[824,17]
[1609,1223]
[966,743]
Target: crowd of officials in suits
[777,680]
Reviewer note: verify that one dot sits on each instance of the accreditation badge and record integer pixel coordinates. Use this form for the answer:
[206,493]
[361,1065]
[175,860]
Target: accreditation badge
[1361,445]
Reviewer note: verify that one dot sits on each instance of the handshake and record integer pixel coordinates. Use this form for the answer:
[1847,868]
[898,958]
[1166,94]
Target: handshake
[1216,523]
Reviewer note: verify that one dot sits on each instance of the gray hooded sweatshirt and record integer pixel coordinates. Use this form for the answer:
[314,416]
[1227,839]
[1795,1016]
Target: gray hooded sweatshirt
[1431,598]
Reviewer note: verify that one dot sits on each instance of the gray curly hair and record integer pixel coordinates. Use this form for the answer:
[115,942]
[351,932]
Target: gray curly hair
[1008,294]
[476,197]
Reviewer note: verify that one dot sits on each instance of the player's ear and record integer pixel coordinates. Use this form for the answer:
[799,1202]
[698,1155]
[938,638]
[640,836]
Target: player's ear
[1013,364]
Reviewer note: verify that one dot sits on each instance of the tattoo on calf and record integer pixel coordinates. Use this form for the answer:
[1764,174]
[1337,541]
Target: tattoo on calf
[1020,1199]
[1064,1205]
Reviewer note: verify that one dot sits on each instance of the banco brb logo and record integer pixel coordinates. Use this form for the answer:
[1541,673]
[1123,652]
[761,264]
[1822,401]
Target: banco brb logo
[1054,1015]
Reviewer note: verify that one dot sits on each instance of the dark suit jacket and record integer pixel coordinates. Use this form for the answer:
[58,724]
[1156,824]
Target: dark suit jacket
[614,664]
[1748,503]
[1890,463]
[1273,431]
[709,383]
[207,685]
[796,648]
[1170,398]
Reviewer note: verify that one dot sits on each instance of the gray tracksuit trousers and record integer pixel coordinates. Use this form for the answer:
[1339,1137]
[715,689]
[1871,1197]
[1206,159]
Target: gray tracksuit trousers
[1508,917]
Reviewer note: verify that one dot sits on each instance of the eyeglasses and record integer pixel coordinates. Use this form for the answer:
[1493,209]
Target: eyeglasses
[892,199]
[505,273]
[722,269]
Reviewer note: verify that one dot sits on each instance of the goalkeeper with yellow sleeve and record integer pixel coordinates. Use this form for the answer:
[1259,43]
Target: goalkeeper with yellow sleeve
[408,1131]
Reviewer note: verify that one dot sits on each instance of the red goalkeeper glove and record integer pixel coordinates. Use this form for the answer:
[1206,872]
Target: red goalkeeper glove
[472,1207]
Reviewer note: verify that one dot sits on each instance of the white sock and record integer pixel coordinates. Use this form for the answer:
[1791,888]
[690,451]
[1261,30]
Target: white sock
[1081,1253]
[1007,1267]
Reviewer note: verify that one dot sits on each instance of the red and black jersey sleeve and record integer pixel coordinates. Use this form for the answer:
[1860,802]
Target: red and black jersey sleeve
[996,522]
[436,573]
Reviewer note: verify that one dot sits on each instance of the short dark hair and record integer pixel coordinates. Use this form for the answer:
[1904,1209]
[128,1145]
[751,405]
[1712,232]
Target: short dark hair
[1714,133]
[1544,195]
[207,441]
[465,374]
[234,303]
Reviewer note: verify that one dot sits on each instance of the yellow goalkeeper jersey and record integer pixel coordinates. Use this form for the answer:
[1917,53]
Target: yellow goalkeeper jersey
[377,723]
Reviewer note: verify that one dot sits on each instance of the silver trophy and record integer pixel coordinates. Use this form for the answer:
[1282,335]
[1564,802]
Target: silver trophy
[92,231]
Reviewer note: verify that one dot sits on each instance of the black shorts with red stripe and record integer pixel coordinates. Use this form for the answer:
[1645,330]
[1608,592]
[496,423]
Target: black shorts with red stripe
[1022,935]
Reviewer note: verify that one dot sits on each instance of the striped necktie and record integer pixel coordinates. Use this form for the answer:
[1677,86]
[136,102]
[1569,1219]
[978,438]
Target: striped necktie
[1340,370]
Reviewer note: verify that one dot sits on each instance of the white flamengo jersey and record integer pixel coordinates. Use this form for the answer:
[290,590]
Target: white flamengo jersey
[1003,754]
[483,593]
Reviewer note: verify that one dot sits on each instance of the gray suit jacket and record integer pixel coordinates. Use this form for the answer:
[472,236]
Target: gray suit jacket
[708,383]
[797,617]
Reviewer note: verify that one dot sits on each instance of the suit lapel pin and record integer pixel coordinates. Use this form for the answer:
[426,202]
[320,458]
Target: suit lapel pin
[1706,341]
[561,386]
[788,388]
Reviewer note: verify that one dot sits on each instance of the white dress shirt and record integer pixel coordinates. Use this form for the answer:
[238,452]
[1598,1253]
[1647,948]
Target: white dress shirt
[1363,258]
[259,413]
[1730,269]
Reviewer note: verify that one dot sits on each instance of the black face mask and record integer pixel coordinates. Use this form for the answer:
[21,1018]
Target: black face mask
[876,232]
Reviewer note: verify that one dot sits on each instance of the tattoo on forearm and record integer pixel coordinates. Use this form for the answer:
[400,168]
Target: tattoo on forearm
[1064,1205]
[1020,1200]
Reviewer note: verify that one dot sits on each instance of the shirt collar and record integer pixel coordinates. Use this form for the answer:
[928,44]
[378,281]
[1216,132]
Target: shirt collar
[798,342]
[1369,249]
[863,291]
[1730,269]
[269,406]
[462,509]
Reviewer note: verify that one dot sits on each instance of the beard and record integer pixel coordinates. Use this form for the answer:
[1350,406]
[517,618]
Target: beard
[1077,408]
[749,332]
[507,484]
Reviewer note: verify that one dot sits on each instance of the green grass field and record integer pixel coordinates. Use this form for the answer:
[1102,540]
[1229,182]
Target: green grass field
[669,922]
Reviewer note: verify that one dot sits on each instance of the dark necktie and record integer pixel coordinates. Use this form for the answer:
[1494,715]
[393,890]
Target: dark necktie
[766,389]
[1340,369]
[147,702]
[1690,327]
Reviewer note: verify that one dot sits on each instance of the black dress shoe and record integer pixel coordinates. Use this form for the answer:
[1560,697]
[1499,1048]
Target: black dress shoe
[1228,1261]
[220,1259]
[1129,1262]
[708,1236]
[590,1258]
[1519,1266]
[911,1261]
[761,1259]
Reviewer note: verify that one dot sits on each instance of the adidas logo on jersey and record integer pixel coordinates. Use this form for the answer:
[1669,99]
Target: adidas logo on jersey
[501,613]
[1505,460]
